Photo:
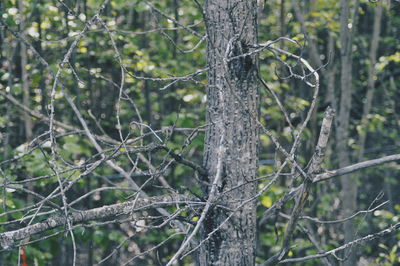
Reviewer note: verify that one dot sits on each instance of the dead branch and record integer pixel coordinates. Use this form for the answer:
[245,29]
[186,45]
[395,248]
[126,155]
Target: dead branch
[8,239]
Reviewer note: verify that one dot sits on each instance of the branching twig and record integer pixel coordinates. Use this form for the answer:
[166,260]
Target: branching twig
[355,242]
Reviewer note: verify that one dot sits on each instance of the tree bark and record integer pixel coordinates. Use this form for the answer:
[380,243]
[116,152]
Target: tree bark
[348,183]
[371,79]
[330,75]
[314,53]
[233,98]
[24,74]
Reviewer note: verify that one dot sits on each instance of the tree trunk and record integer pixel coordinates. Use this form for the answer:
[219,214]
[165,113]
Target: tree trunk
[371,79]
[348,183]
[330,76]
[24,74]
[232,97]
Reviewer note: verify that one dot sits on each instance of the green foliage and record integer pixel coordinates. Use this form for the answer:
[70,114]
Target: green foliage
[93,79]
[388,256]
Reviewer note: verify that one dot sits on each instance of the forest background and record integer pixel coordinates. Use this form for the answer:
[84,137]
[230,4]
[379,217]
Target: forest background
[101,100]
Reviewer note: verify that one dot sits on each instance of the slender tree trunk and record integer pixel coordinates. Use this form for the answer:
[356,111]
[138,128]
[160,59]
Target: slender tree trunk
[233,98]
[24,74]
[314,53]
[38,46]
[175,33]
[28,125]
[282,22]
[331,73]
[2,37]
[348,183]
[371,78]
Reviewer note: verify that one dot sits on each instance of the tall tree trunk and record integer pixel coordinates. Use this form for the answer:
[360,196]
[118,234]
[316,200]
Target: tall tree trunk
[371,78]
[24,74]
[175,33]
[348,183]
[38,46]
[232,114]
[314,53]
[330,76]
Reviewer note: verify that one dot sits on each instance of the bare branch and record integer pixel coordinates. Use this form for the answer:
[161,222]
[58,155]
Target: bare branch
[328,175]
[305,190]
[355,242]
[8,239]
[356,167]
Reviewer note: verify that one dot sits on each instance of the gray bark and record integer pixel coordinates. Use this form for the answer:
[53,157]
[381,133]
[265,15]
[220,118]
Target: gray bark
[348,183]
[24,74]
[314,54]
[371,78]
[8,239]
[330,75]
[233,98]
